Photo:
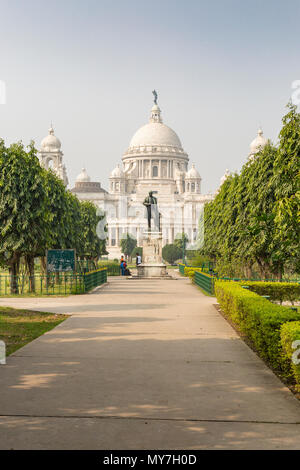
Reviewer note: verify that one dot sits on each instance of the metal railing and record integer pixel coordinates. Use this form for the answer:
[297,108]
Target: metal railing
[52,283]
[205,281]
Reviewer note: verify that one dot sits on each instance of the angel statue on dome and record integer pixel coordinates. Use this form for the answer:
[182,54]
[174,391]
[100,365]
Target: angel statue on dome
[155,96]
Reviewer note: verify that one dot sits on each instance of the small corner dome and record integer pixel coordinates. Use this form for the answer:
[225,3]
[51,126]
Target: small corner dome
[258,143]
[117,172]
[83,177]
[50,143]
[193,173]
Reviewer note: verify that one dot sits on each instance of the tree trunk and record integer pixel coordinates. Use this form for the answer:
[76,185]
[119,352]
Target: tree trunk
[43,265]
[30,264]
[14,271]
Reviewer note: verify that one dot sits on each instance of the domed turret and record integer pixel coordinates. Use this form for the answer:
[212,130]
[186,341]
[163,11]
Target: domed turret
[117,180]
[51,152]
[83,177]
[193,173]
[192,181]
[258,143]
[117,172]
[50,143]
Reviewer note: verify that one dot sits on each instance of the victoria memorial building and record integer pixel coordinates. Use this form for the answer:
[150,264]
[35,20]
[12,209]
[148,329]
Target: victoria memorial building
[154,161]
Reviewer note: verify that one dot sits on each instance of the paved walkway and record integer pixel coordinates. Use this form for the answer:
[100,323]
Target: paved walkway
[142,365]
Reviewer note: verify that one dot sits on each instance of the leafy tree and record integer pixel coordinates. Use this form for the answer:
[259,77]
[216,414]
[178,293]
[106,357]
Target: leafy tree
[23,209]
[253,222]
[287,186]
[137,249]
[180,239]
[171,253]
[127,244]
[92,245]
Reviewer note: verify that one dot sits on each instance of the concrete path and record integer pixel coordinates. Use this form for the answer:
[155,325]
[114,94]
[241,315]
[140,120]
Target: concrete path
[142,365]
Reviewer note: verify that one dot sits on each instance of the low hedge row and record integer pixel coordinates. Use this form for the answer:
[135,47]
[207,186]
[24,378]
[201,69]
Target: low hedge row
[290,332]
[278,291]
[256,317]
[190,272]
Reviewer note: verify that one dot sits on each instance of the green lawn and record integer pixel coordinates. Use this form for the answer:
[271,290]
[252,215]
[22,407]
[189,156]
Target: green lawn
[19,327]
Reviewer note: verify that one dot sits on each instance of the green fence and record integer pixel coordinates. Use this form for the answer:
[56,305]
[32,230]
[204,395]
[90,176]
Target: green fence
[51,284]
[181,268]
[205,281]
[94,279]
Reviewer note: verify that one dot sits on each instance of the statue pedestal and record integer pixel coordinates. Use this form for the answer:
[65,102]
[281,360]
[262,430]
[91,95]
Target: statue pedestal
[152,265]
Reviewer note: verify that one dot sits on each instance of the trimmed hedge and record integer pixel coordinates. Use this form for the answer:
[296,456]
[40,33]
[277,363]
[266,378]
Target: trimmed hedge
[190,272]
[290,332]
[256,317]
[282,291]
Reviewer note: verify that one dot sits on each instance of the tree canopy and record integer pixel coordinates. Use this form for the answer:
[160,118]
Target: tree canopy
[253,222]
[37,212]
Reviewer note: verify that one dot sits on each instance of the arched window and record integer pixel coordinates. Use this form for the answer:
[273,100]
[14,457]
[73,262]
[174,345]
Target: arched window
[155,171]
[193,187]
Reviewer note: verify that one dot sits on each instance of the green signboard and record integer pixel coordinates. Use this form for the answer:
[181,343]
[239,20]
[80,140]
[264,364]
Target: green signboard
[60,260]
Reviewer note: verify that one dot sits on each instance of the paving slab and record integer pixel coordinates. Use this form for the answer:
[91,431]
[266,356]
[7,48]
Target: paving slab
[136,352]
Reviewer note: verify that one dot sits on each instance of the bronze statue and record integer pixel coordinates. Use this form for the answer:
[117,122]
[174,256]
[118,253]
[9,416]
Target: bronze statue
[152,211]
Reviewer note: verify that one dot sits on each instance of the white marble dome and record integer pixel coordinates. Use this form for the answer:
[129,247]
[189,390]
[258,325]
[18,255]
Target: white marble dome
[50,143]
[193,173]
[258,143]
[83,177]
[155,133]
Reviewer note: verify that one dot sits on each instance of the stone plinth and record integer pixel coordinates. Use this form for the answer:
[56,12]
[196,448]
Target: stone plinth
[152,265]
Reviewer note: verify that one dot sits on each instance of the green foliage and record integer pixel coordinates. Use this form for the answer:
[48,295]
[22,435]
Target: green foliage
[127,244]
[23,206]
[287,186]
[190,272]
[137,249]
[91,244]
[198,260]
[181,240]
[253,222]
[290,332]
[113,267]
[278,291]
[171,253]
[37,212]
[256,317]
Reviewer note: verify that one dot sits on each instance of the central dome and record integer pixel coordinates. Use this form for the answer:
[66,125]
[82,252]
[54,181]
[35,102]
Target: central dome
[155,133]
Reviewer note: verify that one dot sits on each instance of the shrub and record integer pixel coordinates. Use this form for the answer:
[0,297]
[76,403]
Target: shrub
[113,267]
[282,291]
[171,253]
[137,249]
[190,272]
[290,332]
[256,317]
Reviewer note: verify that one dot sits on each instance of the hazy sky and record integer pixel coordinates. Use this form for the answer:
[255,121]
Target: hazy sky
[221,68]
